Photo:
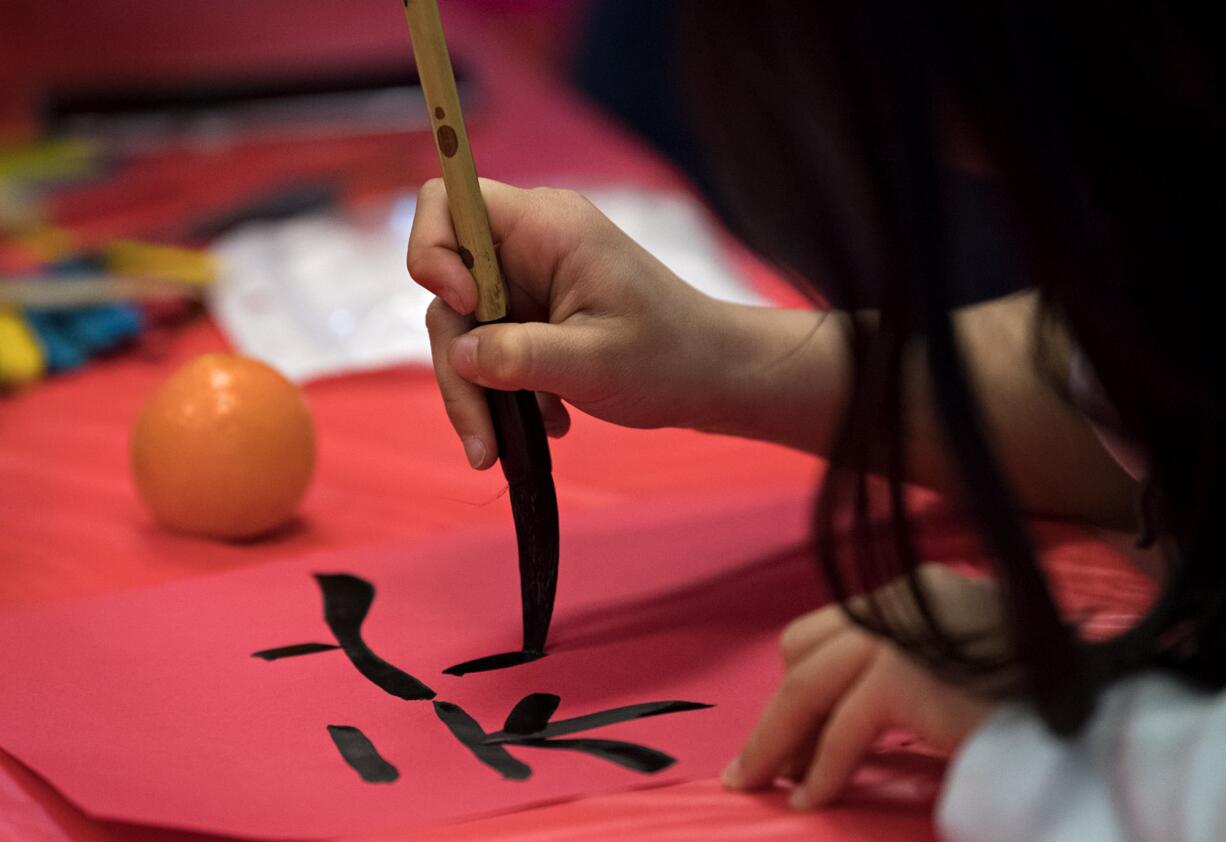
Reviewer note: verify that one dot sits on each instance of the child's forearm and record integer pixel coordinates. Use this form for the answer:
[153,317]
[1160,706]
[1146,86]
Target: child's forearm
[787,377]
[784,376]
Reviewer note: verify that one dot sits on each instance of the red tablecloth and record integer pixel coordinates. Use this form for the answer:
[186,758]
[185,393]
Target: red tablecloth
[388,463]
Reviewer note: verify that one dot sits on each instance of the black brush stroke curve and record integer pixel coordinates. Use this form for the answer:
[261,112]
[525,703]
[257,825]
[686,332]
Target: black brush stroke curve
[347,600]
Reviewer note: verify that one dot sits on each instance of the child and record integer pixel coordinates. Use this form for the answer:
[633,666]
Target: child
[833,129]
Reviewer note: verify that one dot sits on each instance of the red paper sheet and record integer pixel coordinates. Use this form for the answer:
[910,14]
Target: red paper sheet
[148,707]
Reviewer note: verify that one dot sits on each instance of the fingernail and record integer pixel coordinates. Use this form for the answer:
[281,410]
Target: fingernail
[474,449]
[464,355]
[452,300]
[800,799]
[731,776]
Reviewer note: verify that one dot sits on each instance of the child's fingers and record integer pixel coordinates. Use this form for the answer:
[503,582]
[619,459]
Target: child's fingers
[809,690]
[894,692]
[804,634]
[433,258]
[534,230]
[855,722]
[797,767]
[463,401]
[554,413]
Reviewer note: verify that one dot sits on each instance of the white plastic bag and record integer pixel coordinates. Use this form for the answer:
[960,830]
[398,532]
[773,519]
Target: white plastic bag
[328,294]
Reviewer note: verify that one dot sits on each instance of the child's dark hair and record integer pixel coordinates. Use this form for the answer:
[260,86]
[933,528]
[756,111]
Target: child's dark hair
[1103,126]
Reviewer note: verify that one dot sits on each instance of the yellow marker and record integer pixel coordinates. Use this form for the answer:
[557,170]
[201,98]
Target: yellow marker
[48,161]
[46,243]
[136,259]
[21,357]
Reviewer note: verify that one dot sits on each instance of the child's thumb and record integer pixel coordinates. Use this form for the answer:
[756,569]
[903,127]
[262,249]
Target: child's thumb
[535,356]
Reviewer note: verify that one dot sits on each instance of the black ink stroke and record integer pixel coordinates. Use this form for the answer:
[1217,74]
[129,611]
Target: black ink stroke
[494,662]
[347,600]
[360,753]
[293,651]
[631,756]
[531,714]
[592,720]
[467,731]
[528,726]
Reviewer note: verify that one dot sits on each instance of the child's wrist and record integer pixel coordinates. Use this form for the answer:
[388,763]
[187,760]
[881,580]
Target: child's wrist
[779,376]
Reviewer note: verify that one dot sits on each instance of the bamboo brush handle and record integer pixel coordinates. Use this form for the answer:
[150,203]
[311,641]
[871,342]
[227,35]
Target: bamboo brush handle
[468,214]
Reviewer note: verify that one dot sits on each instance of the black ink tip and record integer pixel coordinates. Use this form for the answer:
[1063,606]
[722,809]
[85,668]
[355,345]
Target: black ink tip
[503,660]
[293,651]
[532,713]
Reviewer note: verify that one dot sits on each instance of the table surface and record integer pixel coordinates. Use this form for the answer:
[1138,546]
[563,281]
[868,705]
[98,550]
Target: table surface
[389,466]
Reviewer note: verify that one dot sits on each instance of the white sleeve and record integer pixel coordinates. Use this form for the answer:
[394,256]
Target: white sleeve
[1150,765]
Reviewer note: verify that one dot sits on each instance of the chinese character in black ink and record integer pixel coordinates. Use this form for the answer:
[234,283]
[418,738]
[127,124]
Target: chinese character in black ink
[530,724]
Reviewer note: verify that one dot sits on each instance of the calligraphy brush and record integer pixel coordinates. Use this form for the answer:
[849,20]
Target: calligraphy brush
[523,449]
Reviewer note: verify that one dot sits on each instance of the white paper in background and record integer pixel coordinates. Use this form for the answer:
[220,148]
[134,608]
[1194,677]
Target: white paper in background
[328,294]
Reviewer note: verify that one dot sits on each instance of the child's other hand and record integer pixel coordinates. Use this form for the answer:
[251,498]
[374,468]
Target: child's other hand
[607,327]
[844,688]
